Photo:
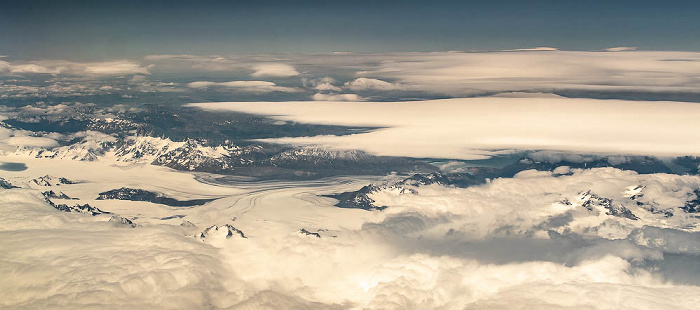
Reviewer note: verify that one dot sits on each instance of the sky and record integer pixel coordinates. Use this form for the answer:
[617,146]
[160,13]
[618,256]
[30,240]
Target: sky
[95,30]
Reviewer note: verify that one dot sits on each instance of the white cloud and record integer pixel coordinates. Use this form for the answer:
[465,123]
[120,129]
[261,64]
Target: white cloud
[115,68]
[34,69]
[621,49]
[361,84]
[28,141]
[536,49]
[245,86]
[327,87]
[467,128]
[460,74]
[55,67]
[336,97]
[5,66]
[274,70]
[324,84]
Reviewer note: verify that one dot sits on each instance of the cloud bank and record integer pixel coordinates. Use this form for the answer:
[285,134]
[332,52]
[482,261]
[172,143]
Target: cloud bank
[536,70]
[244,86]
[511,241]
[336,97]
[56,67]
[469,128]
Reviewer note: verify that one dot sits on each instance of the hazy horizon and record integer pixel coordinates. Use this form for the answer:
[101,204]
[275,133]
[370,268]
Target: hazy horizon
[95,30]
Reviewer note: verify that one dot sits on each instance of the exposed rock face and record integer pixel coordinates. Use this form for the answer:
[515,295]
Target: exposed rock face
[53,195]
[303,231]
[226,230]
[591,201]
[48,180]
[78,208]
[5,184]
[122,221]
[693,205]
[358,199]
[134,194]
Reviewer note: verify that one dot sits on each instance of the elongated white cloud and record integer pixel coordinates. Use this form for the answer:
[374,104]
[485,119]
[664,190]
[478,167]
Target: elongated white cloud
[274,70]
[336,97]
[620,69]
[327,87]
[467,128]
[245,86]
[535,49]
[28,141]
[54,67]
[621,49]
[34,69]
[114,68]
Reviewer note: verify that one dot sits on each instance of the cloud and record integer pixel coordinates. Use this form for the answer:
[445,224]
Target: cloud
[460,74]
[468,128]
[211,63]
[621,49]
[361,84]
[34,69]
[324,84]
[535,49]
[274,70]
[28,141]
[327,87]
[336,97]
[245,86]
[61,67]
[115,68]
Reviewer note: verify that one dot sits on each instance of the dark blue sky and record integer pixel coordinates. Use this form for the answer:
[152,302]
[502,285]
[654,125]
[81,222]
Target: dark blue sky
[115,29]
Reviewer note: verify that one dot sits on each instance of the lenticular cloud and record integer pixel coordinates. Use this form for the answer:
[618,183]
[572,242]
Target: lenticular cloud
[468,128]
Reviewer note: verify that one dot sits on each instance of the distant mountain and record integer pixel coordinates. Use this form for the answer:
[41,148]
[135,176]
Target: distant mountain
[691,163]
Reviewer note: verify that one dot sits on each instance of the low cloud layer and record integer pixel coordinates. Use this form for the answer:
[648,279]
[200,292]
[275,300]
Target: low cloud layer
[617,69]
[244,86]
[55,67]
[617,72]
[471,128]
[336,97]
